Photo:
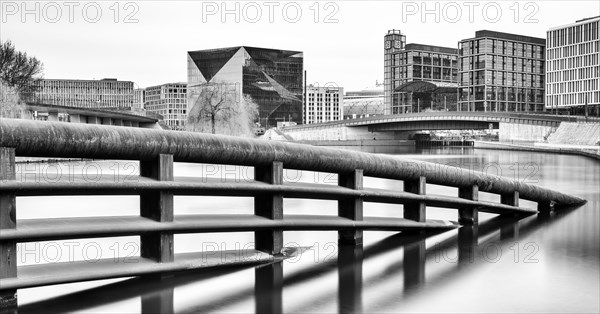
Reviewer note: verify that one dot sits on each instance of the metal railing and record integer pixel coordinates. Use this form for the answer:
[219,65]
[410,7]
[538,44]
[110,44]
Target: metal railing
[157,150]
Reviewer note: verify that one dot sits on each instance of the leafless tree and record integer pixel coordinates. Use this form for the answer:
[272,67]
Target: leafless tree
[17,70]
[217,108]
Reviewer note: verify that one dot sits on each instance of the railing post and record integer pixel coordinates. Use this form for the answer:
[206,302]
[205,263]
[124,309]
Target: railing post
[351,208]
[269,206]
[157,205]
[415,210]
[511,199]
[8,220]
[468,215]
[545,206]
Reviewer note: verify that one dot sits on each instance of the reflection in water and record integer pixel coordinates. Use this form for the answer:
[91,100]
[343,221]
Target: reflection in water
[157,294]
[406,271]
[158,301]
[268,288]
[350,264]
[414,265]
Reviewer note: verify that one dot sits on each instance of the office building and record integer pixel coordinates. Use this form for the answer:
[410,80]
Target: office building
[323,104]
[573,67]
[418,77]
[138,99]
[169,101]
[501,72]
[273,78]
[96,94]
[364,103]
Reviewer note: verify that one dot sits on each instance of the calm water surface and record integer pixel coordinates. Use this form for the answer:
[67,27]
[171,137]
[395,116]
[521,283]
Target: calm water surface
[535,264]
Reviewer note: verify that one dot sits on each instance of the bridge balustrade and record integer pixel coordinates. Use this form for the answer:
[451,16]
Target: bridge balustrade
[156,225]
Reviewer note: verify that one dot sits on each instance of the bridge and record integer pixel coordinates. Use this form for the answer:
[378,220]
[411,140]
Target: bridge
[536,126]
[157,150]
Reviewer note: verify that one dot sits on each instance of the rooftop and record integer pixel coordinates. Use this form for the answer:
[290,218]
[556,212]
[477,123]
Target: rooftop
[578,22]
[508,36]
[431,48]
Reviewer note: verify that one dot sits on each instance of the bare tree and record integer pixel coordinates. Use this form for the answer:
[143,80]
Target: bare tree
[217,108]
[17,70]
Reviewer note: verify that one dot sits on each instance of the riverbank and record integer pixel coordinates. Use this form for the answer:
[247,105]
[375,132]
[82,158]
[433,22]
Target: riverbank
[369,142]
[587,151]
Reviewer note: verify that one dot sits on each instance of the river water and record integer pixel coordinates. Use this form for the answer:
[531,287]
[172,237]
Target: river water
[541,263]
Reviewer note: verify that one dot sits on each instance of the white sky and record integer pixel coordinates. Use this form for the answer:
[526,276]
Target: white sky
[348,52]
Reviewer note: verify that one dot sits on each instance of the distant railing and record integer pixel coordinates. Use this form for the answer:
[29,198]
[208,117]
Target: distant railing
[156,150]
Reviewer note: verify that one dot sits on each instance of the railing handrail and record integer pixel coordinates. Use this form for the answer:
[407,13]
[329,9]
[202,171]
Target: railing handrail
[57,139]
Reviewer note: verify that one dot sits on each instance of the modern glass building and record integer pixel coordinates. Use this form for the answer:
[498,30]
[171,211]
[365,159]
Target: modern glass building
[273,78]
[96,94]
[501,72]
[169,101]
[573,67]
[324,104]
[364,103]
[418,77]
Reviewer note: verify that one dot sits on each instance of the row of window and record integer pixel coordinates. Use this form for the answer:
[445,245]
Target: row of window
[412,57]
[574,50]
[573,34]
[501,47]
[573,62]
[573,87]
[573,99]
[501,78]
[574,74]
[500,93]
[501,63]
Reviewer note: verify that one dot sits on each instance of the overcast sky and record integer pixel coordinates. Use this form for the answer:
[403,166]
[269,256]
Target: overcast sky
[146,41]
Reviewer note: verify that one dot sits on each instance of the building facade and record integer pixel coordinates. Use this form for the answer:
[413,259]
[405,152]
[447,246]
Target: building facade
[573,67]
[501,72]
[169,101]
[98,94]
[407,63]
[138,99]
[273,78]
[323,104]
[364,103]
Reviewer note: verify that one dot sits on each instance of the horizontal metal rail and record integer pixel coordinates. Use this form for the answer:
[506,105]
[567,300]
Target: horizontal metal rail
[122,185]
[156,186]
[93,227]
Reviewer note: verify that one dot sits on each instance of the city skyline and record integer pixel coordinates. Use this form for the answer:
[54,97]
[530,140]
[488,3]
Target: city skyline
[151,51]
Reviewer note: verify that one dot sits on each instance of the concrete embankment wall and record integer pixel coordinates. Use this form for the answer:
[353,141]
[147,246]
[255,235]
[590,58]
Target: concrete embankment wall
[361,143]
[540,147]
[524,132]
[576,133]
[336,133]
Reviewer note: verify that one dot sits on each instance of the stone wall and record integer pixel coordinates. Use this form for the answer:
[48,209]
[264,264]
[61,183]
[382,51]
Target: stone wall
[524,132]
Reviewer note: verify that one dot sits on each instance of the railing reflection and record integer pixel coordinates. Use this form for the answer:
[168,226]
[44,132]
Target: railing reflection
[268,288]
[469,243]
[350,266]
